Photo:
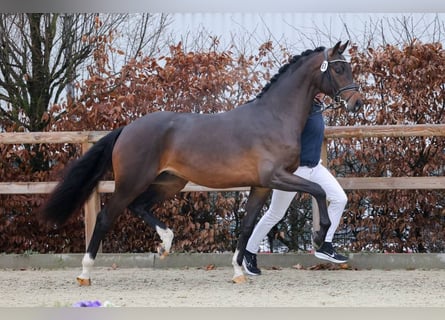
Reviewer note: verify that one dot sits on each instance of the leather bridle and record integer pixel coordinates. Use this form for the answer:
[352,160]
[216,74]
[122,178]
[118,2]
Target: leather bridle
[324,68]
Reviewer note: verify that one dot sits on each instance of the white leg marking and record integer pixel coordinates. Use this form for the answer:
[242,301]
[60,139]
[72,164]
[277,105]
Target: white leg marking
[166,236]
[87,266]
[237,269]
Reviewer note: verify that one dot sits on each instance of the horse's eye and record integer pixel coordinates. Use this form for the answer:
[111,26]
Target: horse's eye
[338,68]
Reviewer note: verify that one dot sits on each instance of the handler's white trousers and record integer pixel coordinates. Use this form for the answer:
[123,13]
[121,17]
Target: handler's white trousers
[281,200]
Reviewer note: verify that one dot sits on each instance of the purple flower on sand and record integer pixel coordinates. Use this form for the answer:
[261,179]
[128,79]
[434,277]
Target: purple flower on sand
[86,304]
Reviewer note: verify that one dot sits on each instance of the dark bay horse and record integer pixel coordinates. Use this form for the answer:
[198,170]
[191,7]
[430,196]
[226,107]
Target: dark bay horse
[256,144]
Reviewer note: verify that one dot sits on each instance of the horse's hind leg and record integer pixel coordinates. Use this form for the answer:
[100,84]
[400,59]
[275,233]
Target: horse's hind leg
[164,187]
[126,191]
[104,222]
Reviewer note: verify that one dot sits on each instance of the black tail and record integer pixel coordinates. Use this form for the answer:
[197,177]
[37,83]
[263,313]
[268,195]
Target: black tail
[79,180]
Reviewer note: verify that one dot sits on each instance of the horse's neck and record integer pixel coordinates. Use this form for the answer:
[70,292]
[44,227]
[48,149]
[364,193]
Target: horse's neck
[292,99]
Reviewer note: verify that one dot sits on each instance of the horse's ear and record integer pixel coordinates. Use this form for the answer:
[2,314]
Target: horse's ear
[342,48]
[338,48]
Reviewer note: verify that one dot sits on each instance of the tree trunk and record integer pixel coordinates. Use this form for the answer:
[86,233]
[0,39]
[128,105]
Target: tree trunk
[40,78]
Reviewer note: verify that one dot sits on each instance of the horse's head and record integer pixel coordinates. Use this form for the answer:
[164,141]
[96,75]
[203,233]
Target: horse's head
[337,79]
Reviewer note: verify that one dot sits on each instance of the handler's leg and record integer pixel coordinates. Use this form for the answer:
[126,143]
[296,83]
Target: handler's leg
[337,199]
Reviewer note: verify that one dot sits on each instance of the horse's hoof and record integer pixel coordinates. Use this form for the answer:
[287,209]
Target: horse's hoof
[162,252]
[239,279]
[83,282]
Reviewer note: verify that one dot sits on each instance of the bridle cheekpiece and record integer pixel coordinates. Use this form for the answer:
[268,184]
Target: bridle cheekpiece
[324,68]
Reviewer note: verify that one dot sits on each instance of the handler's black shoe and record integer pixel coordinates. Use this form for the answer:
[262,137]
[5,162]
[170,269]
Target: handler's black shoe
[249,264]
[327,252]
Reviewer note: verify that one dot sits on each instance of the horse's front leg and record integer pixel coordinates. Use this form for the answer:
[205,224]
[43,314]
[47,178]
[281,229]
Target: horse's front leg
[255,203]
[283,180]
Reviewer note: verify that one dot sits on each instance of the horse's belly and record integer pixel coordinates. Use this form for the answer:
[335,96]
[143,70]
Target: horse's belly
[217,177]
[223,182]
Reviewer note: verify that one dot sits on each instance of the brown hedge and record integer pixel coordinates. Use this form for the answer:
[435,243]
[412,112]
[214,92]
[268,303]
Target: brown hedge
[401,86]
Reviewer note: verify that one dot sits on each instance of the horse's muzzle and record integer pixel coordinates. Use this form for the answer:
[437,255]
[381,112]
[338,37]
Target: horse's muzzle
[355,105]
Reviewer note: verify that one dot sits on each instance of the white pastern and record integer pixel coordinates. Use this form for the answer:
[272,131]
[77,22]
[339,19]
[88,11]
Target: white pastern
[87,266]
[166,236]
[237,269]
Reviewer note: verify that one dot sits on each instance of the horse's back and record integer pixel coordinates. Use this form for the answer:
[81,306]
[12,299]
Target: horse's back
[202,148]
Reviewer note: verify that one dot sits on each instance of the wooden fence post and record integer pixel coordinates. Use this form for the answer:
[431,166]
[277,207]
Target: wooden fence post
[92,206]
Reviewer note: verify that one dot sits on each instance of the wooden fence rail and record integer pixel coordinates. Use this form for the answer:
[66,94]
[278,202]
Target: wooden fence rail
[88,138]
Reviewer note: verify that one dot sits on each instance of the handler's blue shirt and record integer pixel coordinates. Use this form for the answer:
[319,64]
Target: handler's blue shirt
[312,138]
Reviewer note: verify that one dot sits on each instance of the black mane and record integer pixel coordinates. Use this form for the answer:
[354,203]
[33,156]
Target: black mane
[285,67]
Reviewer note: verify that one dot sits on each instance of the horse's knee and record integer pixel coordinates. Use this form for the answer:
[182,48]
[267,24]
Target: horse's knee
[318,192]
